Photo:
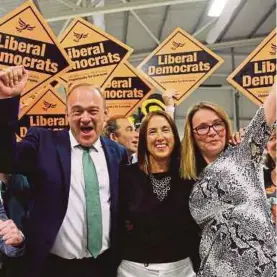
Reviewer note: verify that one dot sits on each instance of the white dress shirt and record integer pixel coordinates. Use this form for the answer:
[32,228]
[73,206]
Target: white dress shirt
[71,241]
[134,158]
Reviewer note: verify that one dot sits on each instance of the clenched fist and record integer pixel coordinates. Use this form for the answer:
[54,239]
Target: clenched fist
[10,234]
[12,81]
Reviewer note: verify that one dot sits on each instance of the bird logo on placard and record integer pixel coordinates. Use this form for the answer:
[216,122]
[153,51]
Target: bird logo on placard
[24,26]
[78,37]
[273,49]
[48,105]
[177,45]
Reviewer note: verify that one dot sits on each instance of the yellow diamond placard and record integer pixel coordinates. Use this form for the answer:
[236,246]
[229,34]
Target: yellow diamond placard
[180,62]
[94,54]
[47,110]
[126,91]
[257,73]
[26,39]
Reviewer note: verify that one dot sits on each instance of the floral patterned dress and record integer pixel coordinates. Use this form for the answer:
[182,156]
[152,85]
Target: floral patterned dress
[228,202]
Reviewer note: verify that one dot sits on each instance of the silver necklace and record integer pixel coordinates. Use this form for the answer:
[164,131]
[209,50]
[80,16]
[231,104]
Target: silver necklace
[160,187]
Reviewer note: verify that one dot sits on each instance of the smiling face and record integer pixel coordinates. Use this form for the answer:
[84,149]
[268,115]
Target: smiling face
[86,114]
[212,143]
[160,139]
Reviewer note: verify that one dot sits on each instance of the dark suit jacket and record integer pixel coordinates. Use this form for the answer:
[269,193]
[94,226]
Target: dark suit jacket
[8,249]
[17,199]
[44,157]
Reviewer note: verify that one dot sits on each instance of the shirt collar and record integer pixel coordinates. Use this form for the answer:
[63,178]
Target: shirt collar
[74,143]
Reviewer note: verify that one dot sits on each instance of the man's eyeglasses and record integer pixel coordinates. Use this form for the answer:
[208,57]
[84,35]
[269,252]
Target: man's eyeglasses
[205,129]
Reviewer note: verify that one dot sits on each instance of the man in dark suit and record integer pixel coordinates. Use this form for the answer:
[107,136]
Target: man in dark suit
[120,129]
[72,226]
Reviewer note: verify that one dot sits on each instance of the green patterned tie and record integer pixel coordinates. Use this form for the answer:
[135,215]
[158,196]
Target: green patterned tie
[94,213]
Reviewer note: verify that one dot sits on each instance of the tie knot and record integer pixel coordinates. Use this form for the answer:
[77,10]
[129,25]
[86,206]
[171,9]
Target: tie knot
[86,149]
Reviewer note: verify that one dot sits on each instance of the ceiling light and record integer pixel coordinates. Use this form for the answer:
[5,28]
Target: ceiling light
[217,7]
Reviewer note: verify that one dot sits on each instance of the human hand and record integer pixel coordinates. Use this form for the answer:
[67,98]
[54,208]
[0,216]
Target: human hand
[12,81]
[5,178]
[10,234]
[237,137]
[169,96]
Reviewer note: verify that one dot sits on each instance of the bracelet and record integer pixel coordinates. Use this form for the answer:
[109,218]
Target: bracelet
[170,109]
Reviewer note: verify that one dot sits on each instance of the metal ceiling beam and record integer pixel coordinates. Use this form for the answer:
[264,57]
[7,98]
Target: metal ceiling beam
[163,22]
[236,43]
[99,19]
[215,46]
[78,3]
[202,16]
[232,19]
[263,19]
[115,8]
[224,21]
[145,27]
[69,4]
[206,26]
[125,26]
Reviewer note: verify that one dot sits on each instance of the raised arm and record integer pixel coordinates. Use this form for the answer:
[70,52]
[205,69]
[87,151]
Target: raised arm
[15,157]
[259,129]
[270,106]
[12,81]
[169,97]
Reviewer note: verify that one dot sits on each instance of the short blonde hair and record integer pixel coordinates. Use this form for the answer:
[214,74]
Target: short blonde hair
[189,157]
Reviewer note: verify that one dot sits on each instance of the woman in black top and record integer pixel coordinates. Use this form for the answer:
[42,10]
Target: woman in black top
[158,235]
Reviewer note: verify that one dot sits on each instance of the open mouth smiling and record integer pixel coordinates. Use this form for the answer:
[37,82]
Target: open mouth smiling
[86,129]
[161,146]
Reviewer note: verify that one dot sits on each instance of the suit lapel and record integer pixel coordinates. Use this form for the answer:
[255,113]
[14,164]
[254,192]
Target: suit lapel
[64,156]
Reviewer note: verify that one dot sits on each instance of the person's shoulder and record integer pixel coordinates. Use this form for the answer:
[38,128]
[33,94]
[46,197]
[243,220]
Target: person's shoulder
[186,184]
[110,143]
[131,176]
[36,133]
[38,130]
[130,169]
[45,132]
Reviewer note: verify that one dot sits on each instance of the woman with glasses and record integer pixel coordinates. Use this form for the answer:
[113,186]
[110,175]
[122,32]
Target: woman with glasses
[228,200]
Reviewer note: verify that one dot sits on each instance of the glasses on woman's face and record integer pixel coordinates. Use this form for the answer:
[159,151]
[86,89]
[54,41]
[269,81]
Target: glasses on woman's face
[204,129]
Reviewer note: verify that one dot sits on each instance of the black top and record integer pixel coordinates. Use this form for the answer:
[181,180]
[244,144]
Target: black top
[154,231]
